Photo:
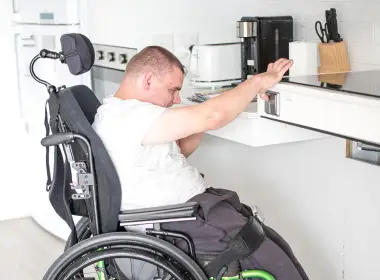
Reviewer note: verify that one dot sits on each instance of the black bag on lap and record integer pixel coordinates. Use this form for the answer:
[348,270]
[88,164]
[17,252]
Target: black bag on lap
[227,234]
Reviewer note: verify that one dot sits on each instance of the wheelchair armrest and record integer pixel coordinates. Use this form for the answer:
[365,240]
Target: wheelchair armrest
[57,138]
[173,212]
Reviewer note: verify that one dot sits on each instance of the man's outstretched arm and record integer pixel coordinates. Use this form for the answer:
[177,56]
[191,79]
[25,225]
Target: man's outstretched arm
[179,123]
[190,143]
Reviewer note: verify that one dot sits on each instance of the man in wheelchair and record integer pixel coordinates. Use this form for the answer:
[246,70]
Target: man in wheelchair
[125,171]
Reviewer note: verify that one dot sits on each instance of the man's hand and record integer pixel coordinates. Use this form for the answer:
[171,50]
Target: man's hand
[274,74]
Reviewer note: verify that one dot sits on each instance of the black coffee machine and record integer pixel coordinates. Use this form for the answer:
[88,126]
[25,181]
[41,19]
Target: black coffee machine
[264,40]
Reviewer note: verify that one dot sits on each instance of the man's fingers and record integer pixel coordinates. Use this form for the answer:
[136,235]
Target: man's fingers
[278,63]
[282,64]
[286,67]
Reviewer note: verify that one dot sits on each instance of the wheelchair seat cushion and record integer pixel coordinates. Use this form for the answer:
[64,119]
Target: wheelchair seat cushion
[79,53]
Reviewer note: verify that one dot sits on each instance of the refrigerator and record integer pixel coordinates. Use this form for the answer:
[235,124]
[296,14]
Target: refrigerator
[38,25]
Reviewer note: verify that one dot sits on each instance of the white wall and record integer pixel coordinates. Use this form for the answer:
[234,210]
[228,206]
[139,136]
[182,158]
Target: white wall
[324,204]
[133,23]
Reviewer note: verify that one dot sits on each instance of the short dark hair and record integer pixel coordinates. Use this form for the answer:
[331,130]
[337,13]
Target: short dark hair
[156,59]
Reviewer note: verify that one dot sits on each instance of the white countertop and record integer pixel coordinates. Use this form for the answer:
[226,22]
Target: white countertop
[250,112]
[250,129]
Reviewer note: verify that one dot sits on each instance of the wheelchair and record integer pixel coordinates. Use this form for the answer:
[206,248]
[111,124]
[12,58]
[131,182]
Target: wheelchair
[84,183]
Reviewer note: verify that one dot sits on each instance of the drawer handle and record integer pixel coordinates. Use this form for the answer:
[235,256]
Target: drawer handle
[369,149]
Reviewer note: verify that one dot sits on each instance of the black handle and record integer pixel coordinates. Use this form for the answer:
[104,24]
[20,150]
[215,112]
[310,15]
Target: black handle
[49,54]
[57,138]
[332,25]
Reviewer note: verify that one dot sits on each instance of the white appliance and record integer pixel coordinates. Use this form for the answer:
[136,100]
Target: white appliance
[38,25]
[65,12]
[108,70]
[215,65]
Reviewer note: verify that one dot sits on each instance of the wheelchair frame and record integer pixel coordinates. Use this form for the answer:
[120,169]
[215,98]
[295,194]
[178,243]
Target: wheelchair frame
[83,177]
[84,181]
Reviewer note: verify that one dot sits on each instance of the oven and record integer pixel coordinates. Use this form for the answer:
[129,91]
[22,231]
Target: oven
[108,69]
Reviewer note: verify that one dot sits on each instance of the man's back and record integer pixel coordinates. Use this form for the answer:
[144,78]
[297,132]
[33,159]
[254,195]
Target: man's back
[153,175]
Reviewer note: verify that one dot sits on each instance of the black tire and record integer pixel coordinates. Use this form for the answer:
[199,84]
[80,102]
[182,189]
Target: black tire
[83,232]
[129,253]
[125,240]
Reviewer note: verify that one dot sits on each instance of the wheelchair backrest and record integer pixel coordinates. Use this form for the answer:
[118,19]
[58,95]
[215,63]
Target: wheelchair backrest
[73,110]
[78,107]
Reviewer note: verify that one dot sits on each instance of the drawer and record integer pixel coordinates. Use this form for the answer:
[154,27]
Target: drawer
[347,115]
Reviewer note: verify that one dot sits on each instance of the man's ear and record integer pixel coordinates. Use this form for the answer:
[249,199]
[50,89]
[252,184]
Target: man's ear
[147,80]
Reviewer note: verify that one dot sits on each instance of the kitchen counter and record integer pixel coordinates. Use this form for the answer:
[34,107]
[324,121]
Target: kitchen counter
[250,112]
[250,129]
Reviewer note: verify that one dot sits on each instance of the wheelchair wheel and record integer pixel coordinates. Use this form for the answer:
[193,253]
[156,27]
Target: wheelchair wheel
[149,262]
[83,232]
[148,250]
[118,269]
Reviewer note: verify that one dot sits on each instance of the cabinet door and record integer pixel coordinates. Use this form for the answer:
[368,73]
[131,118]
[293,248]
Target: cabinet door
[46,11]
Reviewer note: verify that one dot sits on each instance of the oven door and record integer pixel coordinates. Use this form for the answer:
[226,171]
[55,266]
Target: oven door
[105,81]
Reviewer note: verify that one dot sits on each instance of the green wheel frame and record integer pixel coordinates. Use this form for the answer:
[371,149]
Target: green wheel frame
[256,273]
[253,273]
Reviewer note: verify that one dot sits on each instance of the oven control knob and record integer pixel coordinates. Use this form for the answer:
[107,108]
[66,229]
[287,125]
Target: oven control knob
[100,55]
[111,56]
[123,58]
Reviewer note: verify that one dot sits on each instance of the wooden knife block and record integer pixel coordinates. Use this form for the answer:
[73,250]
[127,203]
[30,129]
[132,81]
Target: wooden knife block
[333,58]
[334,79]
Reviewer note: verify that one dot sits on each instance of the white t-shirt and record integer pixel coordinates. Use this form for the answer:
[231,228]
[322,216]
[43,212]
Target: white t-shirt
[153,175]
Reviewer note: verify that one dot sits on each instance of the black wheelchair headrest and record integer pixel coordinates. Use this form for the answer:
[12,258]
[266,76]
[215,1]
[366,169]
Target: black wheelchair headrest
[78,52]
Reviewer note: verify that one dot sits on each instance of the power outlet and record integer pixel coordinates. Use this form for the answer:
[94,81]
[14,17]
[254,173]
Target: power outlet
[182,43]
[163,40]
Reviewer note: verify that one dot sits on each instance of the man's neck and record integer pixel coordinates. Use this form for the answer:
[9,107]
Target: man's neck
[126,93]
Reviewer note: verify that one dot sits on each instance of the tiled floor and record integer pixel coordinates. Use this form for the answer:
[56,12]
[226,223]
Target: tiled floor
[26,250]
